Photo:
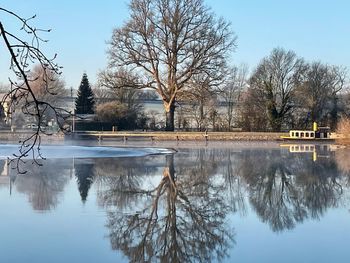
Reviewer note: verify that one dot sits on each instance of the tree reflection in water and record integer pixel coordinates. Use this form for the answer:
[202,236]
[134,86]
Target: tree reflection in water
[342,157]
[174,208]
[182,219]
[286,189]
[43,186]
[84,172]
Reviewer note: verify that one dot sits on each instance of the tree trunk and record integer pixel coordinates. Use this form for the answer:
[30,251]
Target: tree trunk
[201,116]
[169,118]
[230,108]
[334,113]
[274,119]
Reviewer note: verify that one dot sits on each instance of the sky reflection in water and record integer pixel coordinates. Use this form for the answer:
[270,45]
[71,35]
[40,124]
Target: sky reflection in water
[208,204]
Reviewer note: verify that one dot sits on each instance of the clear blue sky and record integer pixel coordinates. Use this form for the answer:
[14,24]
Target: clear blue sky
[314,29]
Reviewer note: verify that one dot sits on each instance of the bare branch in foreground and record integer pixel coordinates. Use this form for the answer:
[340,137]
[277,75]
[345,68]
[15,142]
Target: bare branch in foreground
[24,48]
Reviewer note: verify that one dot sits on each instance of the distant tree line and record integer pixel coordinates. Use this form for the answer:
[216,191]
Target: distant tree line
[177,51]
[285,91]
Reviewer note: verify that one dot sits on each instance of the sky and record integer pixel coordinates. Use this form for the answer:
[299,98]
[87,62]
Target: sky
[317,30]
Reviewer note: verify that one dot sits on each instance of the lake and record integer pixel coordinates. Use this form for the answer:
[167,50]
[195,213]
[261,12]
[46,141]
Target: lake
[214,203]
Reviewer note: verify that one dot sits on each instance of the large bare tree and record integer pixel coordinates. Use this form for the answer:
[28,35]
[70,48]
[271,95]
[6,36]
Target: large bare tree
[165,43]
[112,81]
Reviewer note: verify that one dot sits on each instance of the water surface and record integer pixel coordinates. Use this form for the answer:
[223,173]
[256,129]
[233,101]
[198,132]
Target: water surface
[209,204]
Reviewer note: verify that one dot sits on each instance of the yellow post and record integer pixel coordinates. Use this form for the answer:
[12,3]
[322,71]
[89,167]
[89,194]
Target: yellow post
[315,126]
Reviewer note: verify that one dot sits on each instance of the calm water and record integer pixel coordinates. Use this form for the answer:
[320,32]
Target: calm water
[238,204]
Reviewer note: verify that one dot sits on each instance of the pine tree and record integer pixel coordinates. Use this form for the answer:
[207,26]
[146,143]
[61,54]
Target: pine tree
[85,102]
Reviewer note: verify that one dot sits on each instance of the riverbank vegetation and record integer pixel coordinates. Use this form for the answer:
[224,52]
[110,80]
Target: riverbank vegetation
[176,53]
[343,130]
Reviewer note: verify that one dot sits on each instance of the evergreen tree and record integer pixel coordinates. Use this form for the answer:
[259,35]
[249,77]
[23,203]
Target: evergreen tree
[85,102]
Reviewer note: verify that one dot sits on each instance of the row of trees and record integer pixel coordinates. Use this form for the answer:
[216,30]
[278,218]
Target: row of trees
[179,49]
[285,91]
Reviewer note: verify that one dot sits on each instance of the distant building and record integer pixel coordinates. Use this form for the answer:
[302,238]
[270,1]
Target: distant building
[5,104]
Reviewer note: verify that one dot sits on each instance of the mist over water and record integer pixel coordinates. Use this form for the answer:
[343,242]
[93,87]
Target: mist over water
[209,204]
[72,151]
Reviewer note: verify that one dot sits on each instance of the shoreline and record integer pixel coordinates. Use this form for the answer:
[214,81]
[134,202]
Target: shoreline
[161,137]
[178,136]
[148,136]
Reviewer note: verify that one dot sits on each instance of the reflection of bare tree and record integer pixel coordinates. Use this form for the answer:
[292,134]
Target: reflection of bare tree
[119,182]
[321,184]
[206,162]
[179,220]
[286,190]
[233,180]
[342,158]
[43,186]
[270,190]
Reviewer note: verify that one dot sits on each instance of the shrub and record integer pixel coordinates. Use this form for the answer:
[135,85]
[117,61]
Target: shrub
[120,115]
[344,128]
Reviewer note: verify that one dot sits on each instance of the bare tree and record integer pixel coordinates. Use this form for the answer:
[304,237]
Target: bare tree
[24,48]
[47,86]
[339,83]
[118,90]
[166,43]
[319,93]
[274,81]
[232,91]
[198,97]
[102,94]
